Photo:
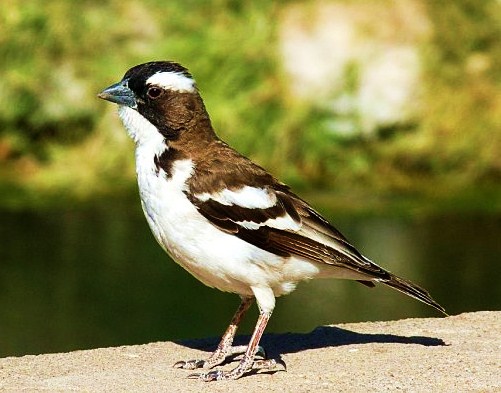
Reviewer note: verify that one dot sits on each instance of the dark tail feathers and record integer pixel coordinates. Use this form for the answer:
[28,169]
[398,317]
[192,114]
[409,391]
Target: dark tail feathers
[412,290]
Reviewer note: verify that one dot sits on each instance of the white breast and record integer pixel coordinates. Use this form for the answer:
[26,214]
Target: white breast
[216,258]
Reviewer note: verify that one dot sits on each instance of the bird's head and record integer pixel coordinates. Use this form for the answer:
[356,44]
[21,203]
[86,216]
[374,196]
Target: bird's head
[159,94]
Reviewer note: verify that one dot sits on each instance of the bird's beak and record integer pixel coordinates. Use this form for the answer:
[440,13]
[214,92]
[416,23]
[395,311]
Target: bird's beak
[120,94]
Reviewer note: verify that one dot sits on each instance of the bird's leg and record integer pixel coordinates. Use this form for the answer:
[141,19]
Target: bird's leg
[247,361]
[224,348]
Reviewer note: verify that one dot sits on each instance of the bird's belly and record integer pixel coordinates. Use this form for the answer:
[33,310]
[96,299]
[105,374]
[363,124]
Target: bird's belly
[186,238]
[216,258]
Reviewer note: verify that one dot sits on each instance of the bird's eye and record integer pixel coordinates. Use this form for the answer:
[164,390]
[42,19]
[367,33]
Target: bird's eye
[154,92]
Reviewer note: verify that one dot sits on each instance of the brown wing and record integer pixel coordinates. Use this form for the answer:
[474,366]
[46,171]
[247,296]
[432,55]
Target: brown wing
[289,227]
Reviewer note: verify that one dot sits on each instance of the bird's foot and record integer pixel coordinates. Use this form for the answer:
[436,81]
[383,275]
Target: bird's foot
[190,364]
[241,369]
[218,357]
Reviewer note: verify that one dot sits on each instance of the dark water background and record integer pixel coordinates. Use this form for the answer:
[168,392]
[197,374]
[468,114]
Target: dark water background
[94,277]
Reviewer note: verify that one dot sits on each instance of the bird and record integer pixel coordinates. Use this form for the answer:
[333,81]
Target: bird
[222,217]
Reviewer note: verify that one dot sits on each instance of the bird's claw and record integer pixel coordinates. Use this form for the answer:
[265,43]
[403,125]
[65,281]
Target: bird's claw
[189,364]
[216,375]
[241,369]
[217,358]
[240,350]
[265,364]
[269,365]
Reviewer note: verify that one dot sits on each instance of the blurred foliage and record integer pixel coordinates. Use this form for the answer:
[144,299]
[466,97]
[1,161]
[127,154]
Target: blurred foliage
[458,139]
[57,140]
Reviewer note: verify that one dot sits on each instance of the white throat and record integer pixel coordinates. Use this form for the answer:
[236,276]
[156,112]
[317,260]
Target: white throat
[149,142]
[138,127]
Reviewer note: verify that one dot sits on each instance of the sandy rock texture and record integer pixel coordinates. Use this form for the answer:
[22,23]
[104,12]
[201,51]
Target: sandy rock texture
[455,354]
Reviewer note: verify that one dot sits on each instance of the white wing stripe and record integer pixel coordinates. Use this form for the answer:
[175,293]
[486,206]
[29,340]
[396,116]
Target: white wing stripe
[247,196]
[282,222]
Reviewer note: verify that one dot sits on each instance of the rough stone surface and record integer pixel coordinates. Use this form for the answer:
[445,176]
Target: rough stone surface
[457,353]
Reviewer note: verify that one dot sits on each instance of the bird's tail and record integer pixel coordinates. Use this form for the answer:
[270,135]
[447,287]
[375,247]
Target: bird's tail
[412,290]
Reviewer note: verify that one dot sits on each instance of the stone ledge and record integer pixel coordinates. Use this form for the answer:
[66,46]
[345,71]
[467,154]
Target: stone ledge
[457,353]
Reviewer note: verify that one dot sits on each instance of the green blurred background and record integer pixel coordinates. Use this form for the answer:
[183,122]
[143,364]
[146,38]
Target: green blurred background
[57,139]
[385,114]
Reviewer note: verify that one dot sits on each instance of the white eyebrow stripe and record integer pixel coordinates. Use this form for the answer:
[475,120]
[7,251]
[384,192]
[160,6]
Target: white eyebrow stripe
[247,196]
[173,81]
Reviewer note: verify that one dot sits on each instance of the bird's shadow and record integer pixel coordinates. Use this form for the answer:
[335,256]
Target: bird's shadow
[323,336]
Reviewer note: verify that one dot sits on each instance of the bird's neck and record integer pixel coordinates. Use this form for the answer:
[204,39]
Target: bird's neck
[190,126]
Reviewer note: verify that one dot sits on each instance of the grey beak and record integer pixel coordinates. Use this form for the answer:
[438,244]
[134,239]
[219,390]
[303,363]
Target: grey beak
[119,94]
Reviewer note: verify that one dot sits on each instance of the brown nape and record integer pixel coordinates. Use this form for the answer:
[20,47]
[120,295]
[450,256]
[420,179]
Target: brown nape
[186,114]
[218,165]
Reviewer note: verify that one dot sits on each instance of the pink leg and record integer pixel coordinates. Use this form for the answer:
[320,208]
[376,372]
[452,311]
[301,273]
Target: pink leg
[224,348]
[247,363]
